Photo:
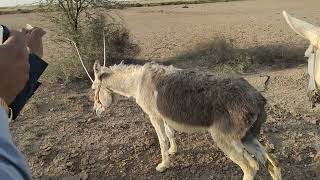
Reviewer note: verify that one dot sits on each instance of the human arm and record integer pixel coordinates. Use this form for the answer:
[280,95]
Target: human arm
[14,73]
[14,66]
[12,163]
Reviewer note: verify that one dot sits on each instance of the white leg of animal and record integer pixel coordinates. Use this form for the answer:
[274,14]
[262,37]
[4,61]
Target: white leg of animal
[235,150]
[158,124]
[170,135]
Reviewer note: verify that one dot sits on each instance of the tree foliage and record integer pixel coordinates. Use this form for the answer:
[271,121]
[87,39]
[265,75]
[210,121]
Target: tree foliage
[84,22]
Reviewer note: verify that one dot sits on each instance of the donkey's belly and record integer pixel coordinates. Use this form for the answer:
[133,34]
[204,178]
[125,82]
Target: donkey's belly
[181,127]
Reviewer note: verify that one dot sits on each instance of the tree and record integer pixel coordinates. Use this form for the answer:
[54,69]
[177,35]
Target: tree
[69,14]
[83,22]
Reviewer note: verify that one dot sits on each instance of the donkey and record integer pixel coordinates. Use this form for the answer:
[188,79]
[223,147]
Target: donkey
[229,108]
[312,33]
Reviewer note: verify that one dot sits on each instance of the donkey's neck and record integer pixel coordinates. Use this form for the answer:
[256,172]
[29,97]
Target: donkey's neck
[124,79]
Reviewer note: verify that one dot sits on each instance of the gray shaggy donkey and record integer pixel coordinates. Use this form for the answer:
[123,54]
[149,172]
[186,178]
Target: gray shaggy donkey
[229,108]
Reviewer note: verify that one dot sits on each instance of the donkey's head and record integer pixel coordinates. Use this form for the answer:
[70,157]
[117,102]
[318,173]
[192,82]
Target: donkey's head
[103,95]
[311,33]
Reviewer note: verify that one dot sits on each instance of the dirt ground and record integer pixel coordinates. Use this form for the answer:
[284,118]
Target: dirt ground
[62,138]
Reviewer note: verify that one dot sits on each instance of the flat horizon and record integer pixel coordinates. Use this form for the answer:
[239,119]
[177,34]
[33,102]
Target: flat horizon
[13,3]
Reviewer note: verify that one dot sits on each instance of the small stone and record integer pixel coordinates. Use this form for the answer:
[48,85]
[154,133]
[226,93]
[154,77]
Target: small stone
[68,164]
[48,148]
[74,155]
[51,109]
[311,155]
[311,133]
[299,158]
[91,161]
[271,147]
[313,121]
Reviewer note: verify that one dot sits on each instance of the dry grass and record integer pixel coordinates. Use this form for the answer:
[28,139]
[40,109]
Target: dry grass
[67,68]
[221,56]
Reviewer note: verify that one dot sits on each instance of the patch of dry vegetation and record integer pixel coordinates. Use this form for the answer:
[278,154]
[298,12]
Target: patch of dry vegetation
[221,56]
[82,23]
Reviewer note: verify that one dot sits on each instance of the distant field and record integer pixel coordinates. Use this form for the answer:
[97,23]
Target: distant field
[164,2]
[29,9]
[167,2]
[15,10]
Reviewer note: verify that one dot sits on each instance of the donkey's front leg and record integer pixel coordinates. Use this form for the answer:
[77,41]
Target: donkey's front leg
[170,135]
[158,124]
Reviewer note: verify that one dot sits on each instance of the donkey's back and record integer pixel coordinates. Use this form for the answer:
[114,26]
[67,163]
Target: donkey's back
[203,100]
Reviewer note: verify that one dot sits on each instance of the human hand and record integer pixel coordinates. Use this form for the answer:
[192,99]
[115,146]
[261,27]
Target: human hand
[14,66]
[34,41]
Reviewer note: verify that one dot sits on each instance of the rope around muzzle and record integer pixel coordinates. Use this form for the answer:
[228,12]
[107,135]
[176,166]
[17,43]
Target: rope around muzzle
[96,86]
[97,107]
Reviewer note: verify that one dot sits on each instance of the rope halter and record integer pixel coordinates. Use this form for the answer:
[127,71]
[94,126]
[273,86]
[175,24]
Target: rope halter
[102,96]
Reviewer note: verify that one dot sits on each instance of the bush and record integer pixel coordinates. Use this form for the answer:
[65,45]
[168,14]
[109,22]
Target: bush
[118,43]
[85,26]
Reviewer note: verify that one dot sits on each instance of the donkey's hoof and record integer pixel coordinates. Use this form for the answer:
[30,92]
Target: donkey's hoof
[172,150]
[161,167]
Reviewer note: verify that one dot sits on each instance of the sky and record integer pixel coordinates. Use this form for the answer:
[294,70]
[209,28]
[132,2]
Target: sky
[7,3]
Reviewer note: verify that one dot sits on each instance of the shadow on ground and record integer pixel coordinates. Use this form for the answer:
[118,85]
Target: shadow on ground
[221,55]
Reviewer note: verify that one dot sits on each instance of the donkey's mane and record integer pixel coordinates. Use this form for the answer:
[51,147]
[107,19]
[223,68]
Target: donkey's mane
[124,67]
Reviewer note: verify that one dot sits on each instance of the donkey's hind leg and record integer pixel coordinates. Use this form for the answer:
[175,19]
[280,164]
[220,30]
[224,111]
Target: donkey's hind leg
[158,124]
[235,150]
[254,147]
[170,135]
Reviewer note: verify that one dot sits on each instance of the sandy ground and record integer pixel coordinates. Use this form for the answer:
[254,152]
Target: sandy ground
[62,139]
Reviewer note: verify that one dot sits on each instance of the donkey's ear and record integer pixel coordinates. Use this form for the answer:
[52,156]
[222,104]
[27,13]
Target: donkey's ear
[305,29]
[96,67]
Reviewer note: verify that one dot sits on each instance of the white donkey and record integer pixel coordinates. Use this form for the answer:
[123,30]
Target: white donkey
[229,108]
[311,33]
